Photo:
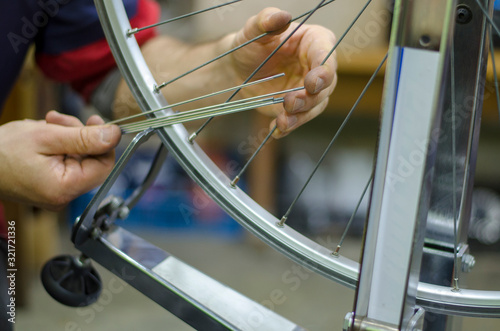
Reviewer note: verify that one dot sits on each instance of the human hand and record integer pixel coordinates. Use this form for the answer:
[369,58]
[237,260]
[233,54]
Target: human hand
[49,163]
[300,59]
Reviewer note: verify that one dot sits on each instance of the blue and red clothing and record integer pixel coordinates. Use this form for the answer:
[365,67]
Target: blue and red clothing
[70,46]
[69,42]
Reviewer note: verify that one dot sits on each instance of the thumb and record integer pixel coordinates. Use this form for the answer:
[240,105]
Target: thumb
[85,140]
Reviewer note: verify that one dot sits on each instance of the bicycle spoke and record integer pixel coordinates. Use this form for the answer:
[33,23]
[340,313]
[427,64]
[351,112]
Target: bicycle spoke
[144,123]
[237,178]
[372,78]
[245,209]
[308,12]
[133,31]
[454,170]
[349,223]
[196,99]
[162,85]
[492,51]
[216,110]
[346,31]
[194,135]
[242,171]
[488,18]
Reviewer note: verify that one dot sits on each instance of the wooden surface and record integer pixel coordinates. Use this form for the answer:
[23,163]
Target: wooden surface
[355,71]
[37,231]
[353,75]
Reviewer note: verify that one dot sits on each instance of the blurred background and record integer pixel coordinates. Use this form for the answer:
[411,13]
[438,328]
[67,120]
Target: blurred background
[177,216]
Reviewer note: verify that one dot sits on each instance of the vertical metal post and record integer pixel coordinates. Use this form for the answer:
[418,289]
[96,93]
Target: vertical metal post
[412,107]
[470,51]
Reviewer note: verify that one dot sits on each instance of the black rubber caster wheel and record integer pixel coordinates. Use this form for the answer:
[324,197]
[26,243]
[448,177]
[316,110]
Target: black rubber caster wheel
[71,280]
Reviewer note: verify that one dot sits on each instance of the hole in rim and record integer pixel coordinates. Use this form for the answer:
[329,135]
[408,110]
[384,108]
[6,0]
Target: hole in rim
[425,40]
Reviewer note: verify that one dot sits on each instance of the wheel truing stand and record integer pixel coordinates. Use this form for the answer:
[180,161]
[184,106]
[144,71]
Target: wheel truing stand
[201,301]
[192,296]
[426,159]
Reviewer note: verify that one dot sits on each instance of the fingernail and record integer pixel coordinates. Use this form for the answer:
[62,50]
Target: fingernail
[291,121]
[106,134]
[298,104]
[275,16]
[319,85]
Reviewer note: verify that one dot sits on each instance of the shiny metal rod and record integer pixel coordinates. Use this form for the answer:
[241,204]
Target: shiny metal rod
[131,32]
[197,98]
[217,110]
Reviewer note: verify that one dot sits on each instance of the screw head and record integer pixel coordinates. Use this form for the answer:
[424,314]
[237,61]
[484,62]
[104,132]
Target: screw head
[463,15]
[123,212]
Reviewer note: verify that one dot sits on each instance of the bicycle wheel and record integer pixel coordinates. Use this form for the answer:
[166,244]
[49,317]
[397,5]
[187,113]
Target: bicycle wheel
[243,208]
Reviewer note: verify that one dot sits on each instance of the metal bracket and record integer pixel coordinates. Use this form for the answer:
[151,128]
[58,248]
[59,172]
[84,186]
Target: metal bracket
[193,297]
[416,322]
[87,222]
[351,323]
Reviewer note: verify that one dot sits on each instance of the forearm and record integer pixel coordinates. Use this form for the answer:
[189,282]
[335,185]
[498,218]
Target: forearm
[169,58]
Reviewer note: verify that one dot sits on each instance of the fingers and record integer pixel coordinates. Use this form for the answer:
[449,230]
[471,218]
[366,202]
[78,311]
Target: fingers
[53,161]
[319,84]
[286,123]
[82,175]
[85,140]
[65,134]
[320,42]
[322,65]
[95,120]
[302,106]
[85,156]
[268,20]
[55,117]
[305,59]
[320,78]
[71,177]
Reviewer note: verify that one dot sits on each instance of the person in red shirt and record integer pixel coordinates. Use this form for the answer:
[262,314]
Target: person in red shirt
[48,163]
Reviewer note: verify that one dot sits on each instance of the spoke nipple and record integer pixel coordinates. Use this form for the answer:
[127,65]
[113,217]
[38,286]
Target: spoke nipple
[192,138]
[131,32]
[281,223]
[235,181]
[455,287]
[156,89]
[336,252]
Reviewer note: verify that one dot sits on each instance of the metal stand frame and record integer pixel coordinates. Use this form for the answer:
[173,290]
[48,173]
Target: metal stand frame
[423,148]
[403,199]
[470,52]
[187,293]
